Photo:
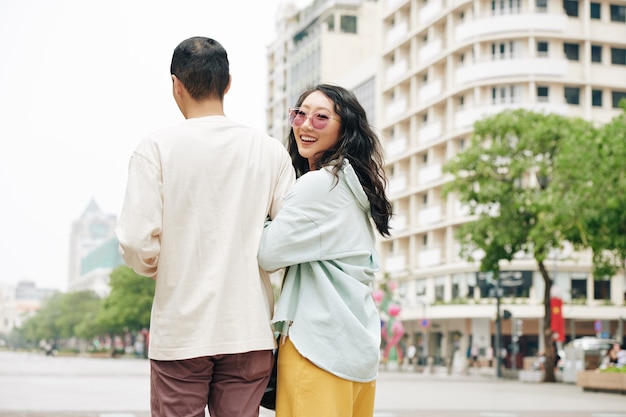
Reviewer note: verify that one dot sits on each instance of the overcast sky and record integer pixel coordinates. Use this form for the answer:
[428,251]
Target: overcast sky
[81,83]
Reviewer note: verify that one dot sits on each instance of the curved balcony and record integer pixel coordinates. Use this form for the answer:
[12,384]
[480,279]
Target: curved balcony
[397,70]
[397,33]
[489,25]
[397,184]
[430,50]
[395,263]
[466,118]
[397,108]
[429,257]
[430,215]
[429,11]
[429,91]
[515,67]
[430,173]
[430,132]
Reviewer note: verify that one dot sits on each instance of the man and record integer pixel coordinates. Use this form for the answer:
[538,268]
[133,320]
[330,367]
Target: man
[197,197]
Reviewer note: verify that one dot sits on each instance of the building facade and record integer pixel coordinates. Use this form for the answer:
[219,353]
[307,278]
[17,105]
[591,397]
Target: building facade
[18,303]
[445,65]
[334,41]
[94,251]
[433,68]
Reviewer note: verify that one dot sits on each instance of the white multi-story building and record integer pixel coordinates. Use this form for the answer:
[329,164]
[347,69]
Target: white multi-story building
[445,65]
[437,67]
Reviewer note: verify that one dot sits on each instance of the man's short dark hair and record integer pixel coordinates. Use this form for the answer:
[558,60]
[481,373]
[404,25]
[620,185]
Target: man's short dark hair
[201,64]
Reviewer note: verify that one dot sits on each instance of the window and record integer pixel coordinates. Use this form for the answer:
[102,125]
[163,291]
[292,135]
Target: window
[618,56]
[456,291]
[366,93]
[439,292]
[571,7]
[505,94]
[596,53]
[542,6]
[617,96]
[348,24]
[543,94]
[618,13]
[330,23]
[572,95]
[595,10]
[505,50]
[579,288]
[602,290]
[499,7]
[542,48]
[571,51]
[596,98]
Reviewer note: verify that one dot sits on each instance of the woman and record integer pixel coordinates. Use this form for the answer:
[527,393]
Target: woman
[329,353]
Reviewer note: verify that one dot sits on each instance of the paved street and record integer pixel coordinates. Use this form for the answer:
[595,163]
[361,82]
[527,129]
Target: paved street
[33,385]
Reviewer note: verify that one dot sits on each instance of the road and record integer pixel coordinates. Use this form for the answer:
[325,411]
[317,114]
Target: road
[34,385]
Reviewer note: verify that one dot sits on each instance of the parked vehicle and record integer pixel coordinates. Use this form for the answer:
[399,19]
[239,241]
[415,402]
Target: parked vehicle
[594,349]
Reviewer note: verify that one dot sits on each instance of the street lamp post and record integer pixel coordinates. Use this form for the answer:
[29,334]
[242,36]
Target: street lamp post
[498,341]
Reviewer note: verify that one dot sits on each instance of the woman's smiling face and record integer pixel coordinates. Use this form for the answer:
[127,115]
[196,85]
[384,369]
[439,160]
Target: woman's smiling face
[312,142]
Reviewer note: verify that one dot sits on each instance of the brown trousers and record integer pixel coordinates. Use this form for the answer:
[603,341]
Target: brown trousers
[231,385]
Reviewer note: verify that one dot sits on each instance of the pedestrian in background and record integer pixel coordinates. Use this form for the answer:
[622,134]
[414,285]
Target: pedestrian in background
[329,354]
[197,197]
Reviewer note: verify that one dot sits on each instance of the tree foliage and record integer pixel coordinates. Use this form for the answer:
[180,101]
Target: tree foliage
[589,187]
[128,305]
[63,316]
[85,315]
[505,177]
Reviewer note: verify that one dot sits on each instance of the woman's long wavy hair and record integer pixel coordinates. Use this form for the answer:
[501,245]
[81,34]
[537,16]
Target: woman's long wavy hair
[358,143]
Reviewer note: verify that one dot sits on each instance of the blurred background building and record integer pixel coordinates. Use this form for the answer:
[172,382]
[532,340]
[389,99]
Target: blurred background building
[19,302]
[426,70]
[94,251]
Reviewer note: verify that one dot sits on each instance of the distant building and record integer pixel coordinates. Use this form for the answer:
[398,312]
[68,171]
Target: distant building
[329,41]
[93,251]
[20,302]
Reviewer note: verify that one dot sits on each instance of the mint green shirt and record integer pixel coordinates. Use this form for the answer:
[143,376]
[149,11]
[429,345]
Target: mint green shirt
[325,234]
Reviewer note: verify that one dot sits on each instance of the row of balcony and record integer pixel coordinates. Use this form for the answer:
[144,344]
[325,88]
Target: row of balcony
[462,119]
[494,68]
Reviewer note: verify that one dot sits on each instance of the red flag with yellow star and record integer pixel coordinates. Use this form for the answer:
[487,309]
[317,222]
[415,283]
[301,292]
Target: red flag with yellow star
[557,322]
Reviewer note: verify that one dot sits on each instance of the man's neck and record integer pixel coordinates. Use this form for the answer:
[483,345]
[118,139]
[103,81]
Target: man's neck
[204,109]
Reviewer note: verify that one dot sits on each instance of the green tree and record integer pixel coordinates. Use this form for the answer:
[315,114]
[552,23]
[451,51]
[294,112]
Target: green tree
[596,207]
[128,305]
[505,177]
[63,316]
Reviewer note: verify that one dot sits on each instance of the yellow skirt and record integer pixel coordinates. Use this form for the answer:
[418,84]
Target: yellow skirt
[304,390]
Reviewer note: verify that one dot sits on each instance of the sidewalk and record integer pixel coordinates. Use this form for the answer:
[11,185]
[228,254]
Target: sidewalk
[40,386]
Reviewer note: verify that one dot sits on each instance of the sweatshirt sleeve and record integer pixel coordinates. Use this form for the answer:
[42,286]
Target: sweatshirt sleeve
[286,179]
[293,236]
[140,223]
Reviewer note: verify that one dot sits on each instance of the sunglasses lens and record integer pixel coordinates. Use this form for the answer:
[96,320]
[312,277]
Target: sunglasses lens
[319,121]
[296,118]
